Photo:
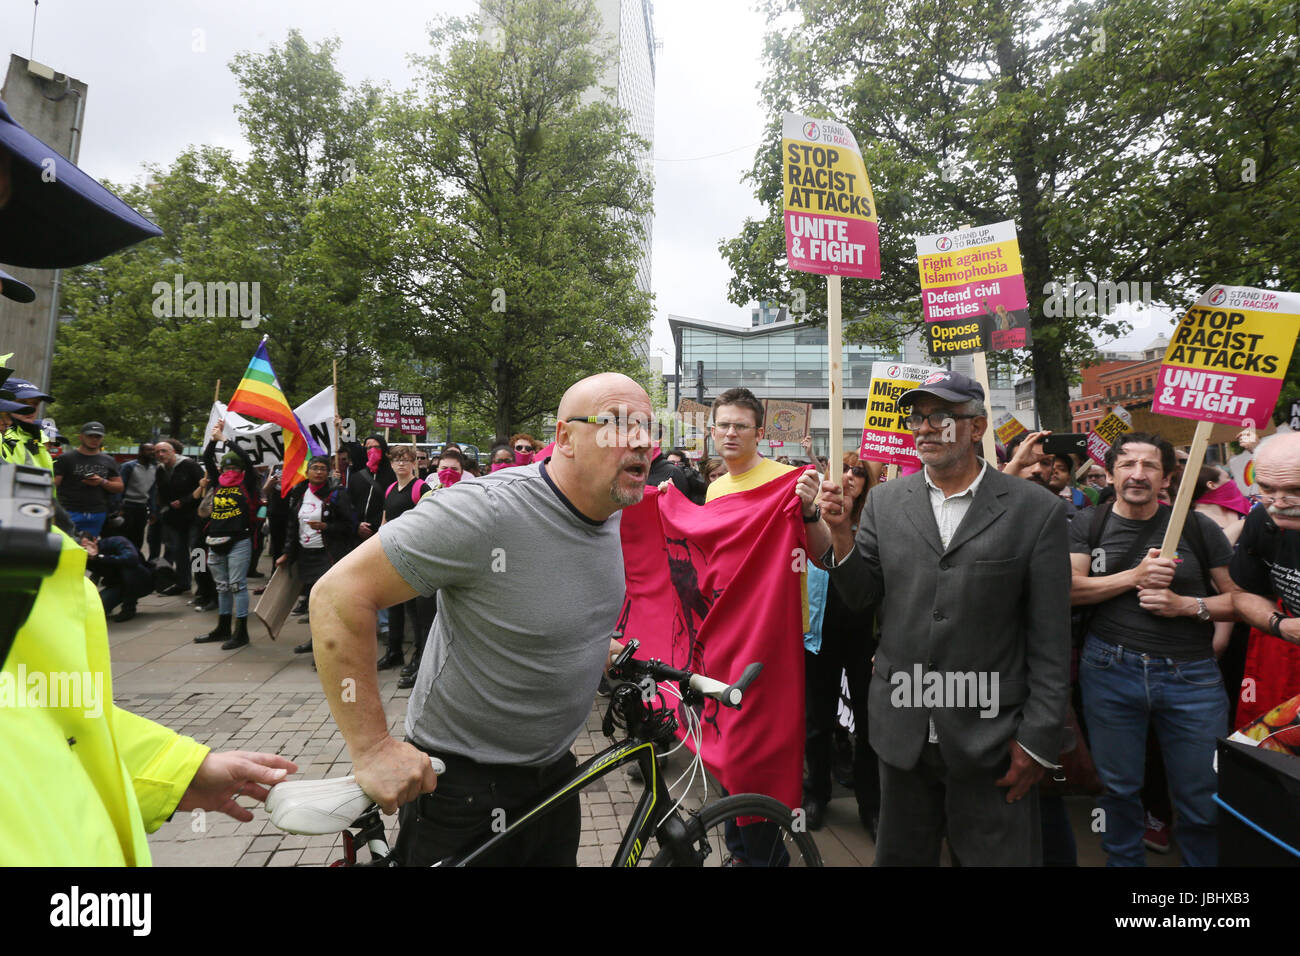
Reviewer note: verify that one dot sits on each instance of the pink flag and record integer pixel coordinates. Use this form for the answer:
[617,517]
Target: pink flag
[712,590]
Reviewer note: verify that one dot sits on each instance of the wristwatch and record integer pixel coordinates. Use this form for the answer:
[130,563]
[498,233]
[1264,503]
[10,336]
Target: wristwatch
[1202,610]
[1275,623]
[816,515]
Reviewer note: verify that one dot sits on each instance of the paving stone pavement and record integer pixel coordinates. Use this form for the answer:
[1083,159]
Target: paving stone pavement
[265,697]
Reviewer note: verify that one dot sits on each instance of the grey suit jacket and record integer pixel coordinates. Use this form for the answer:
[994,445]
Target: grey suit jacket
[995,603]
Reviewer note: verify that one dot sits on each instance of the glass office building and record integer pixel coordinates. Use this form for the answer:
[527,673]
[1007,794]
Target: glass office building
[779,359]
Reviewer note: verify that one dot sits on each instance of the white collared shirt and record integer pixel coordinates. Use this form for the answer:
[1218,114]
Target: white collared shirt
[950,509]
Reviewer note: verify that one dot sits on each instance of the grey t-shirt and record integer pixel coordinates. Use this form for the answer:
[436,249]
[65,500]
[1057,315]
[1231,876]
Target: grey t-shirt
[1121,620]
[529,592]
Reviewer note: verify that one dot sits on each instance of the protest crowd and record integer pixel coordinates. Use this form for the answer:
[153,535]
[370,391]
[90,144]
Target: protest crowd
[1035,582]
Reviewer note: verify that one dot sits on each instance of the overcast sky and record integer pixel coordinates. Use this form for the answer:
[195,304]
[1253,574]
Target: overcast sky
[152,93]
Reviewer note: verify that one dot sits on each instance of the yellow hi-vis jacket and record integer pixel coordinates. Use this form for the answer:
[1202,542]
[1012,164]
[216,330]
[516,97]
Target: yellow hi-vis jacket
[81,781]
[18,448]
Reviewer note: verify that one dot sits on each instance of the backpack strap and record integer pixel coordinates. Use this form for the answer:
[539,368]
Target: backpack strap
[389,490]
[1194,535]
[417,490]
[1097,527]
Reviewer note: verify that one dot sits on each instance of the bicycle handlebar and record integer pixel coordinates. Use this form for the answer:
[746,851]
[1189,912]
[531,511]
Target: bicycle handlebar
[729,695]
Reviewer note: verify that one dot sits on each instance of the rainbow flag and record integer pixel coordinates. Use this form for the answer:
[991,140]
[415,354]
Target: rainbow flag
[259,395]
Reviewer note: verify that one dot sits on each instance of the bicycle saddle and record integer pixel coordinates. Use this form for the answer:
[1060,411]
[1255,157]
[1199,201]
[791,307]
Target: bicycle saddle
[317,807]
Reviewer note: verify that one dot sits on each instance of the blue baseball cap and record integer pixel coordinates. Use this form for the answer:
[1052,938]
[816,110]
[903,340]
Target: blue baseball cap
[22,388]
[7,403]
[57,216]
[11,288]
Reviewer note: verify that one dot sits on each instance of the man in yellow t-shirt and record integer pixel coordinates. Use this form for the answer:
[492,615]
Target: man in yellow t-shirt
[737,430]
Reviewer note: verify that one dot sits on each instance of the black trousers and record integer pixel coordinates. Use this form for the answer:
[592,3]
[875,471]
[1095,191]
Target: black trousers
[922,806]
[419,612]
[475,800]
[278,524]
[136,518]
[822,698]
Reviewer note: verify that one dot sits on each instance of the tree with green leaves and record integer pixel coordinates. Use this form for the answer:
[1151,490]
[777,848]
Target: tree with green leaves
[1130,140]
[125,362]
[504,209]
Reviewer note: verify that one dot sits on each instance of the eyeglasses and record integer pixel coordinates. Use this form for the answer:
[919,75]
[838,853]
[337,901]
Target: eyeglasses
[504,461]
[638,422]
[1290,497]
[738,427]
[937,420]
[859,471]
[523,448]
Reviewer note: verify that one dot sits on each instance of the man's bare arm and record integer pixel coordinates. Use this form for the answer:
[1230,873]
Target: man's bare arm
[344,609]
[1257,610]
[1153,573]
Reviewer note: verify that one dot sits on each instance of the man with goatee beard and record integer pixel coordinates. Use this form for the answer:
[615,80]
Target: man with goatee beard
[1148,657]
[528,566]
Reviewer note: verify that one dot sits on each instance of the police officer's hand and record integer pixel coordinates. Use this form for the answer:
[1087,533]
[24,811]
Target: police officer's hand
[393,773]
[224,776]
[1155,572]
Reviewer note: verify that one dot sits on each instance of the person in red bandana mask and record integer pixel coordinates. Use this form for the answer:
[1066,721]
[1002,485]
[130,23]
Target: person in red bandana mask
[525,448]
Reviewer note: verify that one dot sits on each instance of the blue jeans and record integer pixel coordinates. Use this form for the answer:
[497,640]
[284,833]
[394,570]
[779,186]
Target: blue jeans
[91,521]
[1184,700]
[230,572]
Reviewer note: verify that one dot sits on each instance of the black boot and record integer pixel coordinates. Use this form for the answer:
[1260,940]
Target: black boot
[219,633]
[394,656]
[240,637]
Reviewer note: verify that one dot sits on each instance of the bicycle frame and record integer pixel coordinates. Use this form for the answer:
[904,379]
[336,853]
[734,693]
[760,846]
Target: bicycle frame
[640,828]
[629,702]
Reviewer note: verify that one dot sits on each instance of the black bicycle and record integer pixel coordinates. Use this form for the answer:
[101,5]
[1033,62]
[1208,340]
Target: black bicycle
[746,829]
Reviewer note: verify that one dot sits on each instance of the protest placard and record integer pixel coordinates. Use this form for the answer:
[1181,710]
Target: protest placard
[973,290]
[785,421]
[830,214]
[1007,427]
[386,412]
[1227,357]
[830,229]
[1225,364]
[1108,429]
[885,436]
[411,418]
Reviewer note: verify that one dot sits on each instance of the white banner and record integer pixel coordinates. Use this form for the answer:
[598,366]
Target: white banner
[264,441]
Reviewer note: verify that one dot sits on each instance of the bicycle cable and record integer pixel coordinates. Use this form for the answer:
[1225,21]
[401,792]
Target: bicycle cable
[694,730]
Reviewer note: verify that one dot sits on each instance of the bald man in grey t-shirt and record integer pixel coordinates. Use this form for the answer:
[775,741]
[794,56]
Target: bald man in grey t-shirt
[528,568]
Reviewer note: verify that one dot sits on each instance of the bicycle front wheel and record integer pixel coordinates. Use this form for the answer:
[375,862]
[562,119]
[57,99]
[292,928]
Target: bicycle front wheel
[772,835]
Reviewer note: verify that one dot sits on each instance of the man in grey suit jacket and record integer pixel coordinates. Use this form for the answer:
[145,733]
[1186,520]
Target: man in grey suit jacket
[970,570]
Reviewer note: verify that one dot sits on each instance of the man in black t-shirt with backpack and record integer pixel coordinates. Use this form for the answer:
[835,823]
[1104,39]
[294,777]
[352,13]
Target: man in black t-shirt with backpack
[1148,655]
